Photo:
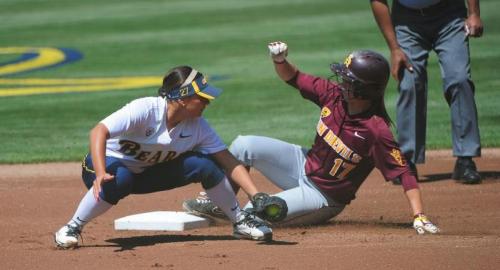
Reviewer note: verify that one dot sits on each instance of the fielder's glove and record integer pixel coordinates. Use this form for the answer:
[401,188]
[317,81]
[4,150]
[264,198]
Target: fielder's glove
[269,208]
[278,51]
[422,224]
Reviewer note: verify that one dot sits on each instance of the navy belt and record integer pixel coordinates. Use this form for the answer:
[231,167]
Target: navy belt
[430,10]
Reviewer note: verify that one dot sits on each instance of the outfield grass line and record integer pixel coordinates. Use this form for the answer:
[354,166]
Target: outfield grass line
[23,169]
[122,38]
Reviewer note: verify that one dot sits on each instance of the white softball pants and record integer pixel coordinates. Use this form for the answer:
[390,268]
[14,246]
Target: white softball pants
[283,164]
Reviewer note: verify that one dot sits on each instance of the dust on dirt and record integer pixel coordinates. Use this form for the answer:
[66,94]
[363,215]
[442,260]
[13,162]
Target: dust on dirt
[374,232]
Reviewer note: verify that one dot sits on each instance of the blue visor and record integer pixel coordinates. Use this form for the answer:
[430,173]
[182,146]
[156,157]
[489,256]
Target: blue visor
[199,87]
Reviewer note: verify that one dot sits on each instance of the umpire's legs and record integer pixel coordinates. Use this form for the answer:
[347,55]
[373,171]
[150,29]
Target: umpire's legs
[412,101]
[453,50]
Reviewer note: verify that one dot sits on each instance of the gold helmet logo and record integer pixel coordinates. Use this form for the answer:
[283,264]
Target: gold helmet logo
[348,60]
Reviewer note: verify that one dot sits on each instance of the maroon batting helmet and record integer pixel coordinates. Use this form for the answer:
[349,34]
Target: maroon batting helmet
[366,71]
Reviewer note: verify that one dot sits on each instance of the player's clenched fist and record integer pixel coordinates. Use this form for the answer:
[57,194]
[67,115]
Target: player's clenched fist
[422,224]
[278,51]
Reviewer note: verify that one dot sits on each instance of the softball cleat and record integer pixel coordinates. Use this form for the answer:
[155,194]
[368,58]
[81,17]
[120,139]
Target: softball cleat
[67,236]
[248,227]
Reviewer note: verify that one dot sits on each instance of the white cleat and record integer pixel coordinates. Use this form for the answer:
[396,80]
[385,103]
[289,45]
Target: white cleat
[429,228]
[423,225]
[67,236]
[250,228]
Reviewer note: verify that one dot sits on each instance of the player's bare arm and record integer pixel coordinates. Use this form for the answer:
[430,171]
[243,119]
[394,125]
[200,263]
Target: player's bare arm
[474,24]
[236,171]
[98,136]
[382,16]
[421,222]
[270,208]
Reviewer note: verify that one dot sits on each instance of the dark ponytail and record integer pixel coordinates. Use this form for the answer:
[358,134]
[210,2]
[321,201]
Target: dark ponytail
[174,79]
[378,108]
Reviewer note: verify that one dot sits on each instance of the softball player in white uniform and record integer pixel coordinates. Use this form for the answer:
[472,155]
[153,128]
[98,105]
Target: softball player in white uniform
[160,143]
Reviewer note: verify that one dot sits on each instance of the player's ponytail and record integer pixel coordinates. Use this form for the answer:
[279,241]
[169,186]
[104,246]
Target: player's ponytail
[174,78]
[378,108]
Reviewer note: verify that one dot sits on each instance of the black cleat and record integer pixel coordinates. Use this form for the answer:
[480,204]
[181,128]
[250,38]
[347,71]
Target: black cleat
[204,207]
[466,171]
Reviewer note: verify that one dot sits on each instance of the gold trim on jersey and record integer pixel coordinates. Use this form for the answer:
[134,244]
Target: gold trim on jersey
[84,165]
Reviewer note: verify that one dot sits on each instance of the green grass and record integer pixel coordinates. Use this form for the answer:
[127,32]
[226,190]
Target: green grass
[219,37]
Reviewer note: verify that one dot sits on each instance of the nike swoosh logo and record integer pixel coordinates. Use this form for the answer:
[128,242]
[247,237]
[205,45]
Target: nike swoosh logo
[81,220]
[184,136]
[359,136]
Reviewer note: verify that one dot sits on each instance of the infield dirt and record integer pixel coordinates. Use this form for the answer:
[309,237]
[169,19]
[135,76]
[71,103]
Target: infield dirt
[373,232]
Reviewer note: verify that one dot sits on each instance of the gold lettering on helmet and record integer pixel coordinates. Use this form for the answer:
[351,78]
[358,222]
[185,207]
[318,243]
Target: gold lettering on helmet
[348,60]
[396,154]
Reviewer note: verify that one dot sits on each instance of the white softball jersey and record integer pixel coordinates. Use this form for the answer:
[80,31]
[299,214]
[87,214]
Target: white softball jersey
[140,138]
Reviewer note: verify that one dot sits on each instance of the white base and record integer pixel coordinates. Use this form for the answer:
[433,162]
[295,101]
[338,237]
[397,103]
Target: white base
[161,221]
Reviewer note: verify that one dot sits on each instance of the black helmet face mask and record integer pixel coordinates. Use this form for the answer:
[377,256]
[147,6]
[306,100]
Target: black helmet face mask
[347,82]
[347,85]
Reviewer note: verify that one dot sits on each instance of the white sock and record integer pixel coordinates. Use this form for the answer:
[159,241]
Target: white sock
[88,209]
[223,196]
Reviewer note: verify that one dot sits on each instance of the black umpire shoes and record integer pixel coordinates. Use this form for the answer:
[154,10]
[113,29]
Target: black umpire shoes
[466,171]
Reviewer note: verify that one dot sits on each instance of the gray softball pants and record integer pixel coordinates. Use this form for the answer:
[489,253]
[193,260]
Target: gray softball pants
[283,164]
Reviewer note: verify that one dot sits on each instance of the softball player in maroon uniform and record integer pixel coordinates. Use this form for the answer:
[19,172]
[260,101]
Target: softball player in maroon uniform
[352,138]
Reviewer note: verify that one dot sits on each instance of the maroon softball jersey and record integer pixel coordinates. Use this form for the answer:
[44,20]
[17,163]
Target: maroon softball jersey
[348,147]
